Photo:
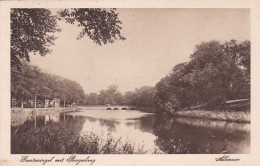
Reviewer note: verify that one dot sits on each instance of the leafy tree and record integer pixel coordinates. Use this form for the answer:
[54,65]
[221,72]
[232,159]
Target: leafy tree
[20,89]
[214,72]
[32,29]
[165,96]
[100,25]
[32,83]
[141,97]
[129,98]
[239,52]
[31,32]
[217,72]
[144,96]
[92,99]
[111,96]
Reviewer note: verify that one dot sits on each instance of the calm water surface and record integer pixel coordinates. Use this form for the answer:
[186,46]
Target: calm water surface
[148,131]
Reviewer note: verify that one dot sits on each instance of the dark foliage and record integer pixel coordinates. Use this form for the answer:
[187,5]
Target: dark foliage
[100,25]
[32,81]
[31,32]
[216,73]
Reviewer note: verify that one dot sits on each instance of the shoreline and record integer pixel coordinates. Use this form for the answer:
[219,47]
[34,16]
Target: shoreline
[20,115]
[229,116]
[41,111]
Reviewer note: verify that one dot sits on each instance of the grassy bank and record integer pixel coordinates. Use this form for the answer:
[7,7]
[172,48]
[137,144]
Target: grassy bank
[233,116]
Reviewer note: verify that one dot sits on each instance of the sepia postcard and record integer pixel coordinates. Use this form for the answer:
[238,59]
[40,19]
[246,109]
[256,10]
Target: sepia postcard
[129,83]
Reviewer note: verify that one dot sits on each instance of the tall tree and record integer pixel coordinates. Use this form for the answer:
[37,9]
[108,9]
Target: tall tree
[31,32]
[217,72]
[33,83]
[111,95]
[92,99]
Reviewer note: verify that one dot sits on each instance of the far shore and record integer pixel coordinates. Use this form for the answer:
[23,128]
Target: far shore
[232,116]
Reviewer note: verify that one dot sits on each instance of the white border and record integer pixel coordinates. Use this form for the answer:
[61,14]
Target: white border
[252,159]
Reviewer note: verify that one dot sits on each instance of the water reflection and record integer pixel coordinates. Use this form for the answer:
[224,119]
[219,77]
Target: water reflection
[182,135]
[53,118]
[125,131]
[165,134]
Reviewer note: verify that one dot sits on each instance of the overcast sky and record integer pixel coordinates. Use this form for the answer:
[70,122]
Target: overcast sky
[157,40]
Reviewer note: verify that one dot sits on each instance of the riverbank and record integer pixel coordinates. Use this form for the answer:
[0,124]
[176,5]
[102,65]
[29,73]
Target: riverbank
[232,116]
[39,111]
[104,132]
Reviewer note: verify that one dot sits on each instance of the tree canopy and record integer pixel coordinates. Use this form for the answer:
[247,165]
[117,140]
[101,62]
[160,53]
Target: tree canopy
[217,72]
[100,25]
[32,30]
[111,95]
[140,97]
[34,82]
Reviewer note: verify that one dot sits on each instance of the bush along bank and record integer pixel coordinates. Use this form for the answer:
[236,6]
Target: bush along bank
[235,112]
[64,141]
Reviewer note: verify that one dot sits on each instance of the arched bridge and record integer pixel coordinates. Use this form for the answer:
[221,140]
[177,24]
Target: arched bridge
[119,108]
[108,107]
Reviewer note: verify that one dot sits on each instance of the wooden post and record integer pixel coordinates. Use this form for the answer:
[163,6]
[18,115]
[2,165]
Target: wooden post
[64,103]
[22,103]
[44,103]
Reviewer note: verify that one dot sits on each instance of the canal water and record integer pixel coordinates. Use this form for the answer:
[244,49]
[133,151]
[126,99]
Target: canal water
[145,131]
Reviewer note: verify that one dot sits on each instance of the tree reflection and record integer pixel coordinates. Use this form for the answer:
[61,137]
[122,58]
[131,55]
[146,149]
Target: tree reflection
[36,133]
[175,135]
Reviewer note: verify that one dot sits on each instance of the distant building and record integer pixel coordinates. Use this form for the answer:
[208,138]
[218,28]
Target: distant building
[54,103]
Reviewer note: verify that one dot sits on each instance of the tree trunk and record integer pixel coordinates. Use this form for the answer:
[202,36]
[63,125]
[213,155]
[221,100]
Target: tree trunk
[44,103]
[35,122]
[35,101]
[64,105]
